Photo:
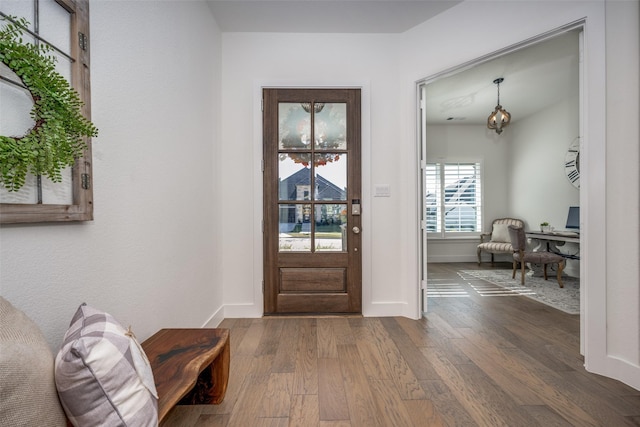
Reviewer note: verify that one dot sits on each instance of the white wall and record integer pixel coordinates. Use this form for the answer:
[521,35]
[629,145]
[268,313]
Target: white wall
[523,174]
[185,216]
[611,335]
[621,354]
[150,257]
[471,143]
[251,61]
[388,66]
[539,189]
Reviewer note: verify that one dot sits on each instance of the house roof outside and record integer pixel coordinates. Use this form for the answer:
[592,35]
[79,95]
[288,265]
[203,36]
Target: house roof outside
[325,189]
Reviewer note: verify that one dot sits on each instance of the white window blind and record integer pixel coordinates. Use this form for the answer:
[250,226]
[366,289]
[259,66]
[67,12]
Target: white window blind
[453,197]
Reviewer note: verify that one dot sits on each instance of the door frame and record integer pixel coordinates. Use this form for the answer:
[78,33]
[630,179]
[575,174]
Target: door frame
[341,288]
[422,143]
[254,304]
[593,272]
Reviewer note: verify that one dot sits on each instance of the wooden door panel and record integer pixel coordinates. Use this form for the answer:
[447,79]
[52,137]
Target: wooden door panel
[313,280]
[312,261]
[314,303]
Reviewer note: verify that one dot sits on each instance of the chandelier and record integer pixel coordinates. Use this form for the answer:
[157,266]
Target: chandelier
[317,106]
[295,130]
[500,117]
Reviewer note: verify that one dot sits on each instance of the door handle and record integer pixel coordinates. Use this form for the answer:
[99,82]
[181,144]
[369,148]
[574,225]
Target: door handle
[356,230]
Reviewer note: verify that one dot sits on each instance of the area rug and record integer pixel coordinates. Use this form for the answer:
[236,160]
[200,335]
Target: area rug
[548,292]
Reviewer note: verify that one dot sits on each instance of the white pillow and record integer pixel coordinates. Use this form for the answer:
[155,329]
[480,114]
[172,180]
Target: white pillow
[102,374]
[500,233]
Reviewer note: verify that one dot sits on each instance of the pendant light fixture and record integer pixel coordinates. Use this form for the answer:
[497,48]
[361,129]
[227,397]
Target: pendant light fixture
[500,117]
[317,106]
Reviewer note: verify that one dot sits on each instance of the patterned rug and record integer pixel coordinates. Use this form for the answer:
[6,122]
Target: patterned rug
[548,292]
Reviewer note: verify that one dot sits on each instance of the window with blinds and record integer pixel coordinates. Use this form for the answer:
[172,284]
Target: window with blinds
[453,198]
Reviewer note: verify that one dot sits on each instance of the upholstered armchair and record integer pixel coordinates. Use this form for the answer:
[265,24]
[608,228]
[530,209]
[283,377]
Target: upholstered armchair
[498,241]
[522,256]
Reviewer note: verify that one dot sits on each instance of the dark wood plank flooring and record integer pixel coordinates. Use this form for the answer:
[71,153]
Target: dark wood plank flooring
[471,361]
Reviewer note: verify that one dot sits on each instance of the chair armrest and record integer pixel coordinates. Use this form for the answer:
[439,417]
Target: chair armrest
[483,236]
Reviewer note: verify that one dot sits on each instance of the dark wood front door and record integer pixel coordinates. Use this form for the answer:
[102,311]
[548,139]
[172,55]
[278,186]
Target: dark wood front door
[312,223]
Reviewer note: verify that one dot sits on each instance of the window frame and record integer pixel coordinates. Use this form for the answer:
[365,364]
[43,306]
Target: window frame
[443,233]
[81,208]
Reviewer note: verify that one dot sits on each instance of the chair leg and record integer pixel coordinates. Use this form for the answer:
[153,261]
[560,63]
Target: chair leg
[544,268]
[479,258]
[491,259]
[513,276]
[522,265]
[559,276]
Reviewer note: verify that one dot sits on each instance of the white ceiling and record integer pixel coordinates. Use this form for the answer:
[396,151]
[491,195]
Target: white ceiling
[534,77]
[325,16]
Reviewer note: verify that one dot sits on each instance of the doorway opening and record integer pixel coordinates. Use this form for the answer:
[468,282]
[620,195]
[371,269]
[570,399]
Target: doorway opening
[542,84]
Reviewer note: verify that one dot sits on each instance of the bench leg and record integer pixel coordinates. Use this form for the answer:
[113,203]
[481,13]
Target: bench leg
[211,385]
[220,373]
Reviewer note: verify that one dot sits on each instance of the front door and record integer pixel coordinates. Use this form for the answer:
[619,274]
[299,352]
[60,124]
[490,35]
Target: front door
[312,240]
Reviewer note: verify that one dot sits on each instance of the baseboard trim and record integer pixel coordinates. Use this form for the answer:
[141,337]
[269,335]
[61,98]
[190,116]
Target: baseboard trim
[616,368]
[249,310]
[215,319]
[389,309]
[468,258]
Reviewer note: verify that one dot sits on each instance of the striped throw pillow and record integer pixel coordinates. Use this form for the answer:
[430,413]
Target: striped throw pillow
[102,374]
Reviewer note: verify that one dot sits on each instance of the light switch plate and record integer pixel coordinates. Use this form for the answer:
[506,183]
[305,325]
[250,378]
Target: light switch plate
[381,190]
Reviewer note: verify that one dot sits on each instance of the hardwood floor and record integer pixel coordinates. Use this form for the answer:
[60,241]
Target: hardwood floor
[471,361]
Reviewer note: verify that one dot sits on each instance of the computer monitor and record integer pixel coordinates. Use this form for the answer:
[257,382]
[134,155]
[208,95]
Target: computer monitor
[573,218]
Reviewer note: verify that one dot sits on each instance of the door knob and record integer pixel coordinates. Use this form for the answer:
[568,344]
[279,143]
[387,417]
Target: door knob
[356,230]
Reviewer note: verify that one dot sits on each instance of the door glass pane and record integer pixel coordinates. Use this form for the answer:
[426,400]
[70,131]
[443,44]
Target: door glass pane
[331,176]
[294,176]
[294,126]
[331,228]
[295,228]
[330,127]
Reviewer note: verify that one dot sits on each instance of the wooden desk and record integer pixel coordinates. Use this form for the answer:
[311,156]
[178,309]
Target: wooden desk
[557,236]
[553,239]
[190,366]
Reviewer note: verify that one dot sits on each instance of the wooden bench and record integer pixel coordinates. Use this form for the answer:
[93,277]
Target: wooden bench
[190,366]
